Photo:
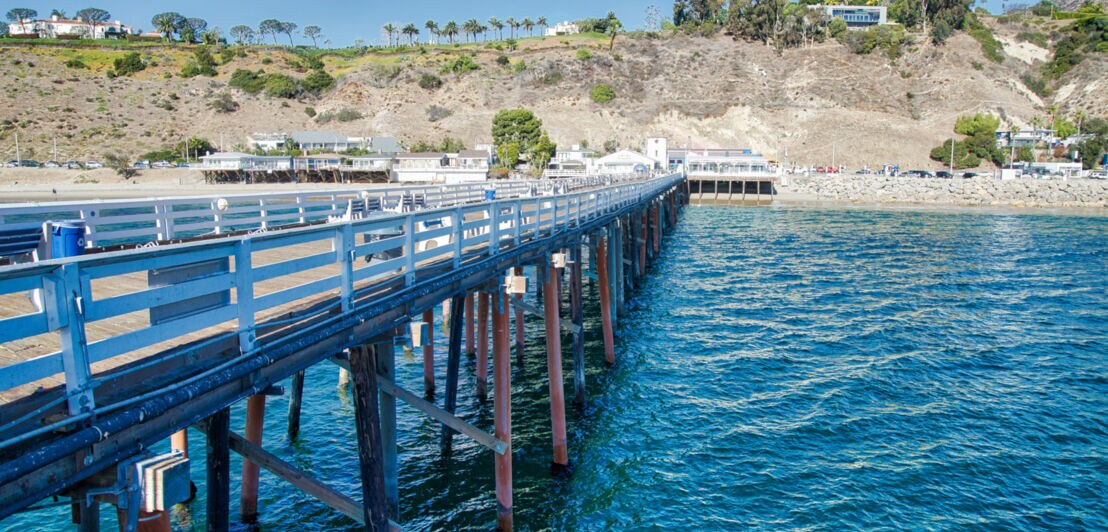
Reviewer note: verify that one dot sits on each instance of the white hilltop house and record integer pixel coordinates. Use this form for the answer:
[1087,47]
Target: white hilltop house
[59,28]
[562,28]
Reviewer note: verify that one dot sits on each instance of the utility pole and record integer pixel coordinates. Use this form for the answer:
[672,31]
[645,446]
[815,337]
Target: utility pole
[17,157]
[951,157]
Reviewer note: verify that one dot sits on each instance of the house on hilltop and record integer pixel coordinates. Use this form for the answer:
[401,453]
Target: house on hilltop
[856,16]
[59,28]
[563,28]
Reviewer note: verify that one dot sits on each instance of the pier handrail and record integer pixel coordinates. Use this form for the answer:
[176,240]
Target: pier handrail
[400,245]
[166,218]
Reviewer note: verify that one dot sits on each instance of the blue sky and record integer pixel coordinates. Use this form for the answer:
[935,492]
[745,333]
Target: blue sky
[343,21]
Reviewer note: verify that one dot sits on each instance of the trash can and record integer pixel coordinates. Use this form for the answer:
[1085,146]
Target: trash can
[68,239]
[490,194]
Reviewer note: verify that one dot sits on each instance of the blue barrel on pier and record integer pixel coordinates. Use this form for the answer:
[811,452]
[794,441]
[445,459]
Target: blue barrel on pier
[490,194]
[68,239]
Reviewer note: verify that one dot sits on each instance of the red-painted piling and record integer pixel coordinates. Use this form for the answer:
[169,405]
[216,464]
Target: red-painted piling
[502,409]
[482,346]
[605,301]
[552,319]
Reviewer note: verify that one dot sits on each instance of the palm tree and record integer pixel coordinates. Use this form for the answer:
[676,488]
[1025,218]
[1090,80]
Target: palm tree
[450,30]
[542,25]
[433,29]
[528,25]
[511,22]
[1079,117]
[388,30]
[495,24]
[473,27]
[411,31]
[1015,130]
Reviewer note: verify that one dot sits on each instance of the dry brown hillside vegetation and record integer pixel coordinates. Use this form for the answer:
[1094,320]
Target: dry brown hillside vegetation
[819,103]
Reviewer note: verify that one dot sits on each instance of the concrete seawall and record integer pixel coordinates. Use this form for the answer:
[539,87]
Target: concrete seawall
[983,191]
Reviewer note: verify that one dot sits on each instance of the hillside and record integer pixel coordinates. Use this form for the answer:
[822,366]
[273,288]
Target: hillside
[817,103]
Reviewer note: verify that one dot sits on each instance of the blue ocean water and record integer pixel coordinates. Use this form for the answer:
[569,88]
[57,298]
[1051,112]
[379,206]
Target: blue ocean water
[780,368]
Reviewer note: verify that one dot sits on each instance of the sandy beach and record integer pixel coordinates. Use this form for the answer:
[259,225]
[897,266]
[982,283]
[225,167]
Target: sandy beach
[19,185]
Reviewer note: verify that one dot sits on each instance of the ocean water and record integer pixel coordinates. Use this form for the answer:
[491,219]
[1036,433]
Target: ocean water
[780,368]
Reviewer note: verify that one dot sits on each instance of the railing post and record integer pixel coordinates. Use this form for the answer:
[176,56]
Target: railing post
[244,293]
[494,228]
[344,247]
[68,302]
[459,237]
[409,250]
[263,213]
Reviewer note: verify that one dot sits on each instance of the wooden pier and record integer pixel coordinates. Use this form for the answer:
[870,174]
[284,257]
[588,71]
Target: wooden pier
[117,351]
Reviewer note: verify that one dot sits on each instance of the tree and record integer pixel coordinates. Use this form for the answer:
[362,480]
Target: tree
[287,28]
[271,27]
[542,152]
[614,27]
[58,13]
[433,31]
[528,25]
[93,16]
[515,24]
[192,28]
[496,26]
[411,31]
[168,23]
[542,25]
[681,12]
[518,126]
[450,30]
[313,33]
[389,29]
[242,34]
[512,25]
[19,14]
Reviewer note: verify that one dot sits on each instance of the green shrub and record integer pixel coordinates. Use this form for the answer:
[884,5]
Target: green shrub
[281,86]
[519,67]
[310,111]
[552,78]
[1036,84]
[429,81]
[222,103]
[318,82]
[348,115]
[460,65]
[248,81]
[502,60]
[989,45]
[602,93]
[128,64]
[267,60]
[75,63]
[584,54]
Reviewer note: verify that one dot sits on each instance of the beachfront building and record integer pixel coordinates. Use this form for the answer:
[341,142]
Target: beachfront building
[321,161]
[856,16]
[468,166]
[59,28]
[234,161]
[267,141]
[563,28]
[624,162]
[377,162]
[327,141]
[1025,137]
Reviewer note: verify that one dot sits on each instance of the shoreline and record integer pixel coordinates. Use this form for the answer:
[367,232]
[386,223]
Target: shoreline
[1018,196]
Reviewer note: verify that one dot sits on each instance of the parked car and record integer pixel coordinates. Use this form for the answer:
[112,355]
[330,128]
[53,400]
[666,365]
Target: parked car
[51,164]
[1098,174]
[11,164]
[92,165]
[141,164]
[969,175]
[944,174]
[162,164]
[73,165]
[182,165]
[919,173]
[28,163]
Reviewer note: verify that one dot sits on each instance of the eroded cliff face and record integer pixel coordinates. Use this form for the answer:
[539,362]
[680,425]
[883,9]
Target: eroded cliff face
[809,106]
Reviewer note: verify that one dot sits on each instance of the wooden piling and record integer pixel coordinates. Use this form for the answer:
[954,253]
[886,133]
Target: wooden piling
[429,353]
[519,321]
[296,394]
[219,471]
[552,319]
[482,377]
[605,300]
[453,363]
[471,337]
[385,356]
[147,521]
[641,247]
[180,442]
[363,369]
[578,316]
[502,409]
[255,419]
[657,229]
